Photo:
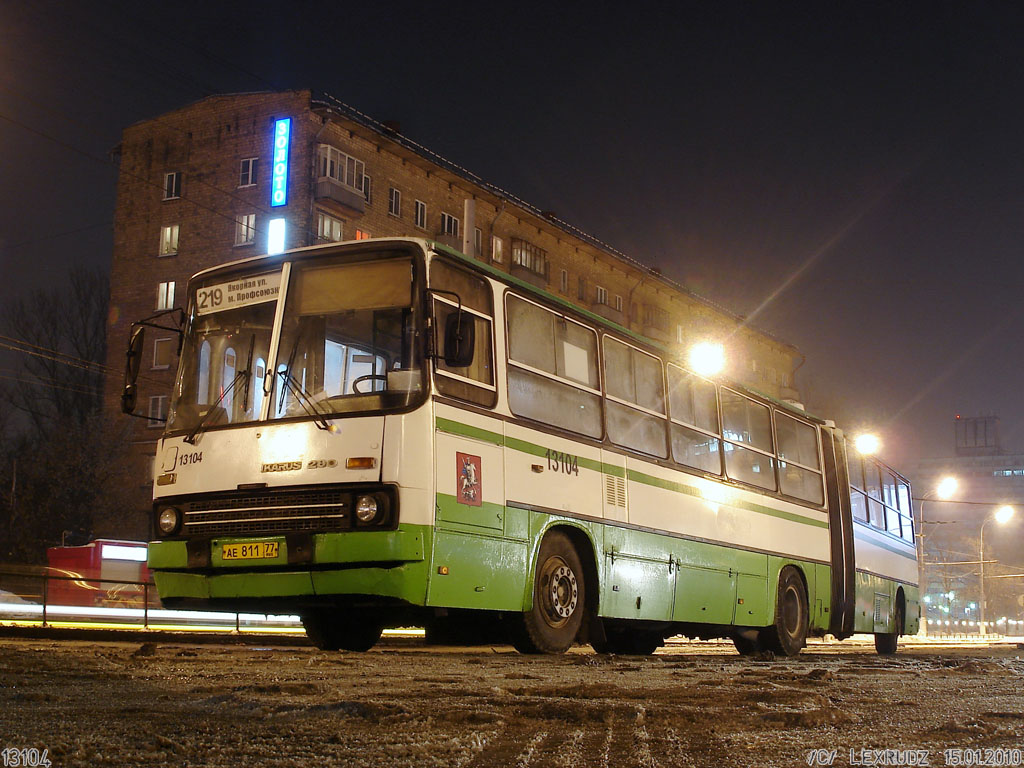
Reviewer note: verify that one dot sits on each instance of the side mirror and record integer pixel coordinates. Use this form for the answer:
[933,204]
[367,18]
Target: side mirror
[459,340]
[131,370]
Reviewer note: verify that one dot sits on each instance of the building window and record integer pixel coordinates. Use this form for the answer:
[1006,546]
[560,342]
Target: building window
[245,229]
[157,410]
[563,281]
[328,228]
[367,189]
[478,242]
[362,234]
[247,172]
[163,353]
[421,214]
[496,249]
[528,255]
[165,296]
[679,334]
[335,164]
[581,288]
[172,185]
[394,202]
[618,303]
[169,240]
[655,317]
[449,225]
[601,295]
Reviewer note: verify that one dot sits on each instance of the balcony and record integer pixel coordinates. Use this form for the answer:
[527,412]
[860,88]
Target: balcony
[527,274]
[332,189]
[608,313]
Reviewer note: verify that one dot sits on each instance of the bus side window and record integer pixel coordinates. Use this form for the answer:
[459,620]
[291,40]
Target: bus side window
[693,406]
[799,466]
[552,370]
[474,382]
[636,398]
[747,429]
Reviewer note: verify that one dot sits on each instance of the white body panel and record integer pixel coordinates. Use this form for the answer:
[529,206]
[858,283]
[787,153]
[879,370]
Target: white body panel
[884,555]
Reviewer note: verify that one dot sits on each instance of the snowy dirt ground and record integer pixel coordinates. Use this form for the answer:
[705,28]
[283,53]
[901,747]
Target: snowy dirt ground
[142,704]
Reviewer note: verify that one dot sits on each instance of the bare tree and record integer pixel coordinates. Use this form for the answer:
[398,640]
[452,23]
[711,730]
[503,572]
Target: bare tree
[64,468]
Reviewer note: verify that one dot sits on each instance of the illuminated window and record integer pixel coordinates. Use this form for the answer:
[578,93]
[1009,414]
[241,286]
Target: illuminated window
[172,185]
[449,225]
[528,255]
[245,229]
[335,164]
[157,410]
[247,172]
[394,202]
[496,249]
[163,354]
[421,214]
[165,296]
[169,240]
[328,228]
[362,235]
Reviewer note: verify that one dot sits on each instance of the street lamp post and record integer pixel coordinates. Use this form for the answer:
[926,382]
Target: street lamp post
[1001,516]
[944,491]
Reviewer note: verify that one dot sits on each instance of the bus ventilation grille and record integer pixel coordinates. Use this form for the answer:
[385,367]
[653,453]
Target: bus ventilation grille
[280,512]
[615,491]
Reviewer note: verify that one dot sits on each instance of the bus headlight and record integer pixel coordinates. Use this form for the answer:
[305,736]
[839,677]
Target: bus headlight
[169,521]
[367,509]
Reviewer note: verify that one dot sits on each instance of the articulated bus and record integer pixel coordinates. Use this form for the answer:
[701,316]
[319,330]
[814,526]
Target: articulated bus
[389,433]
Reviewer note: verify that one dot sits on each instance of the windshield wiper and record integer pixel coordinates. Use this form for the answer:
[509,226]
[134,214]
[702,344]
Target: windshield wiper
[305,401]
[245,373]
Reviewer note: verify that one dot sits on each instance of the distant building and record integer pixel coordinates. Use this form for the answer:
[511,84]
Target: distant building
[200,186]
[987,477]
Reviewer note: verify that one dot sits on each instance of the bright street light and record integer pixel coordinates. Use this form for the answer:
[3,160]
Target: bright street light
[867,444]
[707,358]
[1001,516]
[946,487]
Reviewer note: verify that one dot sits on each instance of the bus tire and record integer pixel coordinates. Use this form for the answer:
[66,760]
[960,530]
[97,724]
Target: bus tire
[553,622]
[329,631]
[746,645]
[789,632]
[886,642]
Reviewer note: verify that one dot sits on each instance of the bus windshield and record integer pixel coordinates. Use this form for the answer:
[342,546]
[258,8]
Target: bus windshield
[225,351]
[349,342]
[349,339]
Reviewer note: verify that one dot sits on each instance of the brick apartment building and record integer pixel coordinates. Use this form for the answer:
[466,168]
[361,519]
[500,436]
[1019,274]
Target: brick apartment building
[195,190]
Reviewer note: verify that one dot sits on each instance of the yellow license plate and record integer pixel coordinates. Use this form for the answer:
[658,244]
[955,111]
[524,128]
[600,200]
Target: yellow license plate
[257,550]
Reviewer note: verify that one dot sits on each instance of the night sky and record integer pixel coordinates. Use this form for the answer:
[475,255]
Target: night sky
[851,176]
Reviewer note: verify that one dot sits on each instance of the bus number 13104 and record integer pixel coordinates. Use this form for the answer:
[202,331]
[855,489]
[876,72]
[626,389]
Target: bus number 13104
[563,462]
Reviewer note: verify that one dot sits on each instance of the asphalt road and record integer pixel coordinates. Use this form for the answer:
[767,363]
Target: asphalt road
[404,704]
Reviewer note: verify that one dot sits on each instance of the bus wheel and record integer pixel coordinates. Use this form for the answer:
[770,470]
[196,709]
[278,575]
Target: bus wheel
[886,642]
[789,632]
[329,631]
[746,645]
[558,599]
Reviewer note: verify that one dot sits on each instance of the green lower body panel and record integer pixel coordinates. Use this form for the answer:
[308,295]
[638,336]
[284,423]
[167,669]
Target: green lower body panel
[877,602]
[389,564]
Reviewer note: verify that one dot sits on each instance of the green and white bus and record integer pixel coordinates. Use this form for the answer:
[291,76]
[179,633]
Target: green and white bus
[388,433]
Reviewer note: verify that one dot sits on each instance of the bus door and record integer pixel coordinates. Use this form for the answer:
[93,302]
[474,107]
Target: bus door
[840,525]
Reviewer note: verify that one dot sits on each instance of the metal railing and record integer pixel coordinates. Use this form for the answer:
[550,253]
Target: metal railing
[30,596]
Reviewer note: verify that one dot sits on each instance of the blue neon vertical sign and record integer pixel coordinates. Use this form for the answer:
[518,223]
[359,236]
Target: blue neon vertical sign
[279,176]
